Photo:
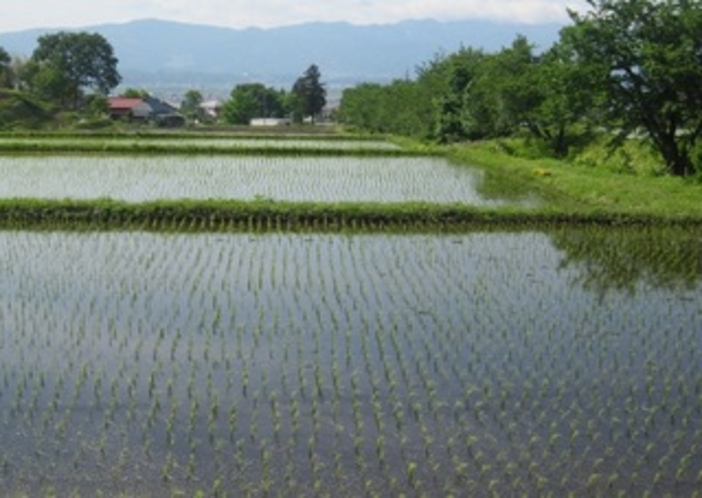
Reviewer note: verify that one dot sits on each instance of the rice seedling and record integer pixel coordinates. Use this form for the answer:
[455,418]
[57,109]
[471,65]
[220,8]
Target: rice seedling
[253,178]
[386,364]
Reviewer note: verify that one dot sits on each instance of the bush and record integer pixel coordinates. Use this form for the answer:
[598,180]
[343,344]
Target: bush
[19,110]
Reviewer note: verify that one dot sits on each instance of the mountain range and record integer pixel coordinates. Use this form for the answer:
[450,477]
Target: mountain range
[157,53]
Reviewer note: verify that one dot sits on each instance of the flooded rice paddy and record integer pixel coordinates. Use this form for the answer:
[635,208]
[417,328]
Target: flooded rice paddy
[320,179]
[530,362]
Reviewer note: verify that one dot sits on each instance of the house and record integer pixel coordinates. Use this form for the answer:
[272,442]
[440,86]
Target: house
[211,108]
[147,109]
[127,108]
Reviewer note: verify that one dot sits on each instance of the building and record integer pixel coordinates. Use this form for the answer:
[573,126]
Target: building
[147,109]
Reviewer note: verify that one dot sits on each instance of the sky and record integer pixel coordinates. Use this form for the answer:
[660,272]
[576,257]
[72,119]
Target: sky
[25,14]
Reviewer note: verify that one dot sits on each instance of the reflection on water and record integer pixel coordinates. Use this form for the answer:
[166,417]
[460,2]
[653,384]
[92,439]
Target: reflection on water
[141,363]
[622,259]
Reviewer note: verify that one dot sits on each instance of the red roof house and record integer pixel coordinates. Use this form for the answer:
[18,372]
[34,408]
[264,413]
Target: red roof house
[126,107]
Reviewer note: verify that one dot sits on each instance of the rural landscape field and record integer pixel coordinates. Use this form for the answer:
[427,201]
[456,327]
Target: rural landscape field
[479,278]
[429,359]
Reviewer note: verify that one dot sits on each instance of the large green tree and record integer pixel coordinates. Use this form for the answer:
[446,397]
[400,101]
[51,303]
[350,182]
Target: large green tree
[309,94]
[362,105]
[68,64]
[463,70]
[253,100]
[647,58]
[562,115]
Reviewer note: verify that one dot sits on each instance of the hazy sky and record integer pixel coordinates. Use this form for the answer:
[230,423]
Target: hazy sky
[22,14]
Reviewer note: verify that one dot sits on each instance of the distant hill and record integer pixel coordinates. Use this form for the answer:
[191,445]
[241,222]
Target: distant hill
[154,52]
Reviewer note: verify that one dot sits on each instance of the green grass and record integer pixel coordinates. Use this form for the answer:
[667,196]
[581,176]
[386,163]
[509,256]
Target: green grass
[577,188]
[276,215]
[120,131]
[126,147]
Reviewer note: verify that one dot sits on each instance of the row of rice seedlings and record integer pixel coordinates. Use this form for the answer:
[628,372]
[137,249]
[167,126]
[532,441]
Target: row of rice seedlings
[396,364]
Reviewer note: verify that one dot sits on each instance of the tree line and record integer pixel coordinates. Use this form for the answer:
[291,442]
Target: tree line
[248,101]
[623,67]
[305,100]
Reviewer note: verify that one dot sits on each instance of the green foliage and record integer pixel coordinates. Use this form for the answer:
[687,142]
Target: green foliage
[253,100]
[185,144]
[647,56]
[576,188]
[96,105]
[634,156]
[135,93]
[471,95]
[190,106]
[455,120]
[21,110]
[383,109]
[67,64]
[6,73]
[309,95]
[633,67]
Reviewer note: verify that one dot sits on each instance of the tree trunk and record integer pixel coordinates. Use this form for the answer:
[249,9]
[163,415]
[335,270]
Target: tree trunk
[677,161]
[560,147]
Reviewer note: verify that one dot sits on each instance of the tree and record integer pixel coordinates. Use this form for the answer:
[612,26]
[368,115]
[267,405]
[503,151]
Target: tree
[360,106]
[190,106]
[563,115]
[6,73]
[647,57]
[253,100]
[456,107]
[309,94]
[135,93]
[73,63]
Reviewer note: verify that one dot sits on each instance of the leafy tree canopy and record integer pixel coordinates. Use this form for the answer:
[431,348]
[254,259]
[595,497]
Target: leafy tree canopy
[646,55]
[66,64]
[253,100]
[20,110]
[629,66]
[190,106]
[135,93]
[6,77]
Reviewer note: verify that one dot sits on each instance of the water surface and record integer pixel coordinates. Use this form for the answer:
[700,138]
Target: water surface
[526,363]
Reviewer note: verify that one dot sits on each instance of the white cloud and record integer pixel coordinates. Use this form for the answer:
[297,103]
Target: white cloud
[266,13]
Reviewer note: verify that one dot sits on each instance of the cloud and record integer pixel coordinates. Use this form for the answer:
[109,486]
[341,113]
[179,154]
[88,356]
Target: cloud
[281,12]
[267,13]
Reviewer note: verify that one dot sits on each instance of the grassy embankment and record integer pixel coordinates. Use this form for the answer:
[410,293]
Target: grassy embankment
[572,192]
[625,187]
[155,143]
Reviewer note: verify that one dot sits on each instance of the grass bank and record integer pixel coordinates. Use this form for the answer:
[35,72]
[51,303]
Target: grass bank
[276,215]
[132,148]
[578,189]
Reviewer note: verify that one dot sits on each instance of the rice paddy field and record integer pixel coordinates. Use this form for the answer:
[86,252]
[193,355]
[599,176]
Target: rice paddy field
[542,361]
[281,178]
[327,363]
